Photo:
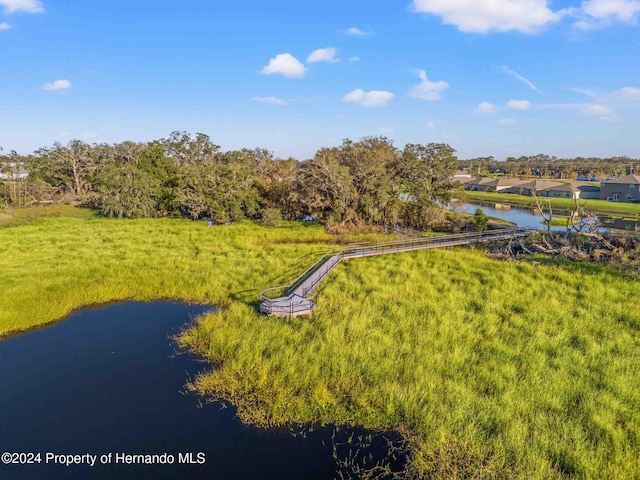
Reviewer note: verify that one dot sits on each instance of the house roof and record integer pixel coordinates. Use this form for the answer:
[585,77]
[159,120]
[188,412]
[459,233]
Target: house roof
[487,181]
[564,187]
[511,182]
[539,185]
[589,188]
[628,180]
[465,180]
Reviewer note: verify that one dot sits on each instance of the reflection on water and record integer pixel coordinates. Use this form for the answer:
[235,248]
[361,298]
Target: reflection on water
[521,216]
[531,218]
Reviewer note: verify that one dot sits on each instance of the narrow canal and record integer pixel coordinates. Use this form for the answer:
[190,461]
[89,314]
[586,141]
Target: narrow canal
[109,381]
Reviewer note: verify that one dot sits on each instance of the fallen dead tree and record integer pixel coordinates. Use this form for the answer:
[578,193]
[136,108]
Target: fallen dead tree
[583,239]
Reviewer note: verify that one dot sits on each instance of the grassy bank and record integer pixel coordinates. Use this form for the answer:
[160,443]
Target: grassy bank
[491,369]
[52,265]
[615,208]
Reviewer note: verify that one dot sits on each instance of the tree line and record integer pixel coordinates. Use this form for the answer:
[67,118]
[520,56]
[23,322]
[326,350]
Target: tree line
[545,166]
[369,181]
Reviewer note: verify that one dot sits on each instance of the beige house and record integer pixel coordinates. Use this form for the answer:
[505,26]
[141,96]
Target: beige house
[565,190]
[506,183]
[484,184]
[528,188]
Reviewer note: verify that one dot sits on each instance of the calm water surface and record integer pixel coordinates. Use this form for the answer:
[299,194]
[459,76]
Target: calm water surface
[523,217]
[109,380]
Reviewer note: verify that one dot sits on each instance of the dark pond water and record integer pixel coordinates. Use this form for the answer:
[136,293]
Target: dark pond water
[109,381]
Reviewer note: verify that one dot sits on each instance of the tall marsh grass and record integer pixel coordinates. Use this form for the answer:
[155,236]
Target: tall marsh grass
[55,260]
[490,369]
[494,370]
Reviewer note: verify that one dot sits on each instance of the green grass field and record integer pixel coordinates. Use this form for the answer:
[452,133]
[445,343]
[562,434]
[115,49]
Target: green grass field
[55,260]
[603,206]
[490,369]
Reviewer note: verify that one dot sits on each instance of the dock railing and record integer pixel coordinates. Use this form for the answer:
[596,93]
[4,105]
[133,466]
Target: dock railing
[330,259]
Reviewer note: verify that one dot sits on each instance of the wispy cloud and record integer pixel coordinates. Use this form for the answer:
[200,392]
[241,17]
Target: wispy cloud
[430,125]
[57,85]
[486,107]
[286,65]
[354,59]
[427,90]
[622,95]
[517,76]
[29,6]
[626,94]
[583,91]
[506,122]
[595,110]
[323,55]
[270,100]
[373,98]
[356,32]
[4,26]
[602,112]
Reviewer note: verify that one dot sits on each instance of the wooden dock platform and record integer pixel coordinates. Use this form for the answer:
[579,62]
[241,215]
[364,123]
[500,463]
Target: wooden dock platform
[298,298]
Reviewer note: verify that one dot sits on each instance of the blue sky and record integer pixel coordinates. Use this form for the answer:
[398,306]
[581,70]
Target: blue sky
[489,77]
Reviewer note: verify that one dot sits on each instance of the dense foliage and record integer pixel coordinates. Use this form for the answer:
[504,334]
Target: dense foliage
[546,166]
[365,182]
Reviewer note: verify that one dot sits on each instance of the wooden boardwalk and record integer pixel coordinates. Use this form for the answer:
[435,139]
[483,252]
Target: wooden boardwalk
[298,297]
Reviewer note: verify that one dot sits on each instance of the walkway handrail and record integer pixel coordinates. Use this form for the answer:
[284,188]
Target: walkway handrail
[354,249]
[300,278]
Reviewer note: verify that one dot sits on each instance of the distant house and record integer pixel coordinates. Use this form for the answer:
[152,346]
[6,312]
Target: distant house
[461,175]
[625,189]
[528,188]
[484,184]
[589,191]
[13,170]
[506,183]
[565,190]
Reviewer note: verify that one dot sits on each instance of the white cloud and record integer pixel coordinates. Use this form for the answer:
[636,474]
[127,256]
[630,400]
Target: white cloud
[519,104]
[286,65]
[517,76]
[486,107]
[323,55]
[506,122]
[354,59]
[428,90]
[356,32]
[270,100]
[601,13]
[57,85]
[602,112]
[4,26]
[374,98]
[430,125]
[482,16]
[626,94]
[29,6]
